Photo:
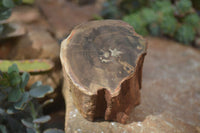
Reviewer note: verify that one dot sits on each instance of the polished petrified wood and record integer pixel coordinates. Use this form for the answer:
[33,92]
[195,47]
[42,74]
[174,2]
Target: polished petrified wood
[102,65]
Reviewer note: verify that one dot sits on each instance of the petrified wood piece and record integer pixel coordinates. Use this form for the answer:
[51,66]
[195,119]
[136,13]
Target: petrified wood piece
[102,64]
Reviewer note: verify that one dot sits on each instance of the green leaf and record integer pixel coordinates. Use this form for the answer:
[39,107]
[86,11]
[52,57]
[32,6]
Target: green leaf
[4,83]
[168,25]
[28,1]
[36,84]
[8,89]
[42,119]
[185,34]
[2,111]
[5,13]
[53,130]
[148,15]
[11,111]
[30,130]
[154,29]
[1,28]
[41,91]
[17,2]
[14,95]
[27,123]
[110,10]
[31,66]
[137,22]
[3,129]
[192,20]
[13,68]
[8,3]
[20,105]
[1,73]
[25,79]
[2,96]
[183,6]
[47,102]
[165,7]
[14,78]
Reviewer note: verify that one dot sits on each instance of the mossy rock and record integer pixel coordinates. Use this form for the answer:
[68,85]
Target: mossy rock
[31,66]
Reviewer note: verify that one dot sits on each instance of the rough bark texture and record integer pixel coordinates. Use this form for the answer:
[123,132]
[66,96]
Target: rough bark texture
[102,64]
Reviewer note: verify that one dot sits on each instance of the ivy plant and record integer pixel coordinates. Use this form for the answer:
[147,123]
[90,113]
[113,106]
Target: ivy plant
[20,110]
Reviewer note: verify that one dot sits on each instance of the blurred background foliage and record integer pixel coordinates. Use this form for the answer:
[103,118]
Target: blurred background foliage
[6,7]
[177,19]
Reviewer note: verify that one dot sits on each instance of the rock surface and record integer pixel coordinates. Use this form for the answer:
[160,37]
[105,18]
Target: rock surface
[37,43]
[170,95]
[63,16]
[28,16]
[25,14]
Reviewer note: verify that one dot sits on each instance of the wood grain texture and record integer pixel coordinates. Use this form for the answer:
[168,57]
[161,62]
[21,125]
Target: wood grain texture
[102,64]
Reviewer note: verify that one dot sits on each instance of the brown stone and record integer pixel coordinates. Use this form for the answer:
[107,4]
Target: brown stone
[63,15]
[12,30]
[102,62]
[25,14]
[6,47]
[37,43]
[170,95]
[28,16]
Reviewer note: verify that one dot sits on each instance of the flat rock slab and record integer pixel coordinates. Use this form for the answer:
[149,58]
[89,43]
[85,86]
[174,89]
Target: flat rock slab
[63,15]
[170,95]
[12,30]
